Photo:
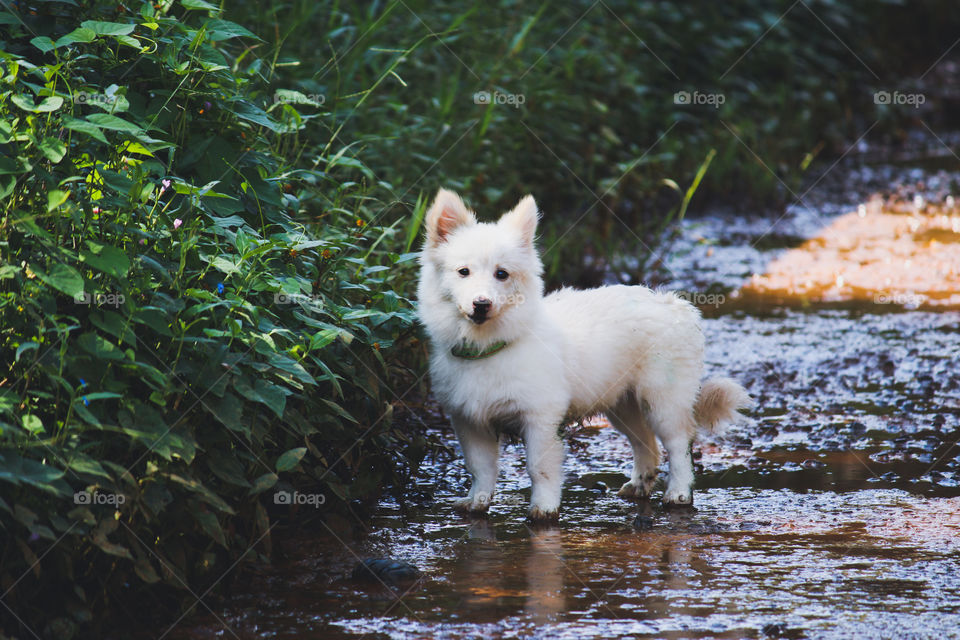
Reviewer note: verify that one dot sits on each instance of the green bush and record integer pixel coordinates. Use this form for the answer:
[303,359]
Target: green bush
[191,321]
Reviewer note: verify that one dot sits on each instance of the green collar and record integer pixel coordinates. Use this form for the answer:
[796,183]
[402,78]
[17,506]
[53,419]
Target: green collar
[472,352]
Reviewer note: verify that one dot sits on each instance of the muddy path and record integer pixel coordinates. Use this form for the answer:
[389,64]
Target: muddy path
[834,513]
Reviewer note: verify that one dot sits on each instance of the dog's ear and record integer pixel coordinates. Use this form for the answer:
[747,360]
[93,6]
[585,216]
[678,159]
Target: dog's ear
[523,218]
[446,214]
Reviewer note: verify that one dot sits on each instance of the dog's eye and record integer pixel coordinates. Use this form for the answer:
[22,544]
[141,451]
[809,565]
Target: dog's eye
[500,274]
[463,271]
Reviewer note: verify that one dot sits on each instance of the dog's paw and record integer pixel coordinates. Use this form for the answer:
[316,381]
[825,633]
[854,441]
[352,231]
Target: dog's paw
[543,515]
[678,498]
[638,490]
[478,503]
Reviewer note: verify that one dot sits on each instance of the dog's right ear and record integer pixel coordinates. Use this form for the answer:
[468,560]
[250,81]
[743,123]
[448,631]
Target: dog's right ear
[446,214]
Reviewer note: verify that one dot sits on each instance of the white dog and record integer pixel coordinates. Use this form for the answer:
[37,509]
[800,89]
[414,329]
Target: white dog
[506,359]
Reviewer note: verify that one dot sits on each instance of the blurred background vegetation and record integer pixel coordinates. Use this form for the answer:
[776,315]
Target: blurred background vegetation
[211,212]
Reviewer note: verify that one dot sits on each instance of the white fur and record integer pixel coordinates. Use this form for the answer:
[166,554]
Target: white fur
[629,352]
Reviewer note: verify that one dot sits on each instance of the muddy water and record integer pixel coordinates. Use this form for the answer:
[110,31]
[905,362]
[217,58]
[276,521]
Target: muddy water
[834,513]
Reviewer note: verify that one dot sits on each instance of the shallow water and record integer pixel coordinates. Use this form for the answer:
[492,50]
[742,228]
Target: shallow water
[834,513]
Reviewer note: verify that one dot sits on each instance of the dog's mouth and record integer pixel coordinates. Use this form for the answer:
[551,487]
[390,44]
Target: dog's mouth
[478,318]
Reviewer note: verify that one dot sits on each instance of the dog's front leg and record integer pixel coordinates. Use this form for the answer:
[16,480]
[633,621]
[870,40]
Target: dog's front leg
[481,452]
[545,466]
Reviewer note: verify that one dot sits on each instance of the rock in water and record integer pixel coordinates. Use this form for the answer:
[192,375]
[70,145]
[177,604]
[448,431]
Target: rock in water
[391,572]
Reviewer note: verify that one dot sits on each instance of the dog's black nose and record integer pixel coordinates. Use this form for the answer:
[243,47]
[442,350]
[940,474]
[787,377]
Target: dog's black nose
[481,307]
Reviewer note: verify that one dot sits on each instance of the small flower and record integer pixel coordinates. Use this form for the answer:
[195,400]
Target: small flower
[96,209]
[86,402]
[326,253]
[177,222]
[207,106]
[220,288]
[83,383]
[361,223]
[164,185]
[143,241]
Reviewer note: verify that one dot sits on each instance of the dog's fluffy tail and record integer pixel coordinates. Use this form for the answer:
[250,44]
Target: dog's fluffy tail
[719,403]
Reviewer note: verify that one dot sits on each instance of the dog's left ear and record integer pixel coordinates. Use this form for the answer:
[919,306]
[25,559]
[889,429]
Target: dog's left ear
[523,218]
[446,215]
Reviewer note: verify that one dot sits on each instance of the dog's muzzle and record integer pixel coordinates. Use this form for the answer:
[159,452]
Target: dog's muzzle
[481,310]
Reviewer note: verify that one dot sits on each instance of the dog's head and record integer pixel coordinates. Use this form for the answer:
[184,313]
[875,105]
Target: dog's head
[485,269]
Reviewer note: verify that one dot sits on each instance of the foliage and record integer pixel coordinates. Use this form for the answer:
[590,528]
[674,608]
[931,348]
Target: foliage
[191,322]
[581,108]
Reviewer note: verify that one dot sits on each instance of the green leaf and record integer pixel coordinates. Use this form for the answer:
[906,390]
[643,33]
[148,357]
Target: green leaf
[208,521]
[83,464]
[52,149]
[98,346]
[17,470]
[61,277]
[25,102]
[226,264]
[202,492]
[107,259]
[273,396]
[32,423]
[199,5]
[224,30]
[145,570]
[113,123]
[130,41]
[226,467]
[80,34]
[111,547]
[255,114]
[26,346]
[55,198]
[229,411]
[290,459]
[264,482]
[43,43]
[101,28]
[83,126]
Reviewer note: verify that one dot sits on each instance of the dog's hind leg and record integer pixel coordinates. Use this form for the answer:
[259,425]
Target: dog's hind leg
[481,452]
[674,425]
[545,466]
[628,418]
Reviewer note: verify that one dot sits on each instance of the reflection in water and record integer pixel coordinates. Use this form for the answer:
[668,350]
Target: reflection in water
[907,257]
[545,571]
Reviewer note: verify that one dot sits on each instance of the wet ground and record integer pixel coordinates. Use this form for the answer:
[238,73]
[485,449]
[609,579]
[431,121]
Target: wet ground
[833,513]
